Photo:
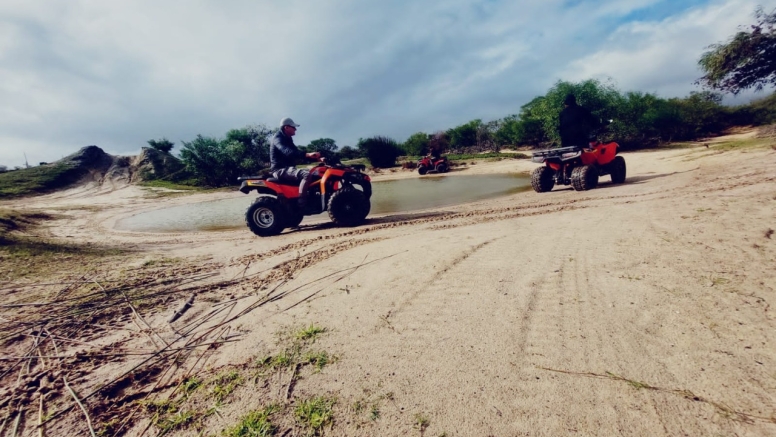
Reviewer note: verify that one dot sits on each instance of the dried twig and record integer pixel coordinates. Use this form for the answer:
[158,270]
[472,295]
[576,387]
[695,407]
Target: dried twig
[134,311]
[182,309]
[86,413]
[16,422]
[53,341]
[292,381]
[41,428]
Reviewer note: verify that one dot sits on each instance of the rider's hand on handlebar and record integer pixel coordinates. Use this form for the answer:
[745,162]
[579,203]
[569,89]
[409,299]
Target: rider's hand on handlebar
[313,155]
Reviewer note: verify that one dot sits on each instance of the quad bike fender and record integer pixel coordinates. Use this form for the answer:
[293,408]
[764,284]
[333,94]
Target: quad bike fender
[329,178]
[333,176]
[260,186]
[601,154]
[360,179]
[607,152]
[554,165]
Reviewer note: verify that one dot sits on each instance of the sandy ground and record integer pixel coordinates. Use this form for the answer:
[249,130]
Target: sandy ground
[634,309]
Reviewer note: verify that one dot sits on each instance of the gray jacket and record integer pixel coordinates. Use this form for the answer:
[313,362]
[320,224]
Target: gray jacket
[282,151]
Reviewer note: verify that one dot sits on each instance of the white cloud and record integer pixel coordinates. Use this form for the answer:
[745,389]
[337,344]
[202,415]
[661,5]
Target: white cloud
[116,74]
[661,57]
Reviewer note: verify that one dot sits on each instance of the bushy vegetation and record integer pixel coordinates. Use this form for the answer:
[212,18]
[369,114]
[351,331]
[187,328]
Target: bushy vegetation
[639,119]
[218,162]
[416,144]
[326,146]
[380,151]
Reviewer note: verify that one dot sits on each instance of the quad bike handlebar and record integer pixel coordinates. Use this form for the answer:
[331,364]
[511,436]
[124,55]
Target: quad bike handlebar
[336,163]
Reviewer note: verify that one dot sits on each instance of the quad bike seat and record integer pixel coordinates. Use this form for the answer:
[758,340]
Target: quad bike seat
[293,183]
[245,178]
[269,178]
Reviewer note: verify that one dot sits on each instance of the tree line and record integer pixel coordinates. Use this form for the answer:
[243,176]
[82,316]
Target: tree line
[746,60]
[639,120]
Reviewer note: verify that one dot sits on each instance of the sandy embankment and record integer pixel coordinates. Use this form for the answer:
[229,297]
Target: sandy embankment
[636,309]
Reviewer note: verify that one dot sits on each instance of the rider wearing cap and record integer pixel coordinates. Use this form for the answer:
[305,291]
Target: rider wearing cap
[576,123]
[283,155]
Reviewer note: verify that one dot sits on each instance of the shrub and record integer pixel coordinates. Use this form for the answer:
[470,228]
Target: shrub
[380,151]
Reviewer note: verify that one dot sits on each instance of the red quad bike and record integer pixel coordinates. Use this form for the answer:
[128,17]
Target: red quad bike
[577,166]
[333,187]
[427,163]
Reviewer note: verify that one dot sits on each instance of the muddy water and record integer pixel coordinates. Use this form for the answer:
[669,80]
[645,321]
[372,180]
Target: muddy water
[401,195]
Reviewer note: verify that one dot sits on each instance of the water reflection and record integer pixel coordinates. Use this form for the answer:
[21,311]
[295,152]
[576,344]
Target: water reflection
[397,196]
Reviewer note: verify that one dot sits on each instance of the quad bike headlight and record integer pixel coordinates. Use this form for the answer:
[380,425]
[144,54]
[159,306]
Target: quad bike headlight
[570,155]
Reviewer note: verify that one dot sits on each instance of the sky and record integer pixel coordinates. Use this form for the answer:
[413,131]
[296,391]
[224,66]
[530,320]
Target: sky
[116,74]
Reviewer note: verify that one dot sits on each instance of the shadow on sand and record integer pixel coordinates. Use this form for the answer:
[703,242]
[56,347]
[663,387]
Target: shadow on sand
[393,218]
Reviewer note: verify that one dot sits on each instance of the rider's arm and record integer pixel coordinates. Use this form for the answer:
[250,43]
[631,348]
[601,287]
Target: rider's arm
[593,121]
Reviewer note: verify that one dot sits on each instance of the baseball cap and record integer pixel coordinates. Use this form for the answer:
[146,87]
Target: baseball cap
[288,122]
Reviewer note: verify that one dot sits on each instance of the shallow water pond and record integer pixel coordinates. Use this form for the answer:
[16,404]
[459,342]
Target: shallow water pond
[402,195]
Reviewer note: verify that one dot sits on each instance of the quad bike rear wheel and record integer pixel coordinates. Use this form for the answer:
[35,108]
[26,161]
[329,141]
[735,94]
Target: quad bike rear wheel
[442,167]
[617,170]
[266,217]
[422,170]
[542,179]
[584,177]
[348,207]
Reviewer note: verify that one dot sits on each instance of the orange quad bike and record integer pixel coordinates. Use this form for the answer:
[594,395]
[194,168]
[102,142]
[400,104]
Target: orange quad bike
[577,166]
[343,191]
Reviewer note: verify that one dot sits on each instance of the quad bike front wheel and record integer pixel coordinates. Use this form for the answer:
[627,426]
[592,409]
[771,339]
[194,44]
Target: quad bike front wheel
[422,170]
[265,217]
[617,170]
[348,207]
[442,167]
[542,179]
[584,177]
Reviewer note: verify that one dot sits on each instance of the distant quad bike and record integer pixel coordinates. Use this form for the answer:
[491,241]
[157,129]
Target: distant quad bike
[577,166]
[343,191]
[427,163]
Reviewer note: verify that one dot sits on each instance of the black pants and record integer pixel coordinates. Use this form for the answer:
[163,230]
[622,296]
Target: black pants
[293,174]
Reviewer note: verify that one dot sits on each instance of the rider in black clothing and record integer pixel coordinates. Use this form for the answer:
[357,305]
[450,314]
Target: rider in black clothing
[576,123]
[283,155]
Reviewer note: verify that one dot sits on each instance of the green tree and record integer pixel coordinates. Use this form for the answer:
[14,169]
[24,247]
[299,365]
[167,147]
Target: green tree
[163,145]
[207,160]
[600,98]
[326,146]
[416,144]
[746,60]
[701,114]
[758,112]
[253,154]
[464,135]
[380,151]
[347,152]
